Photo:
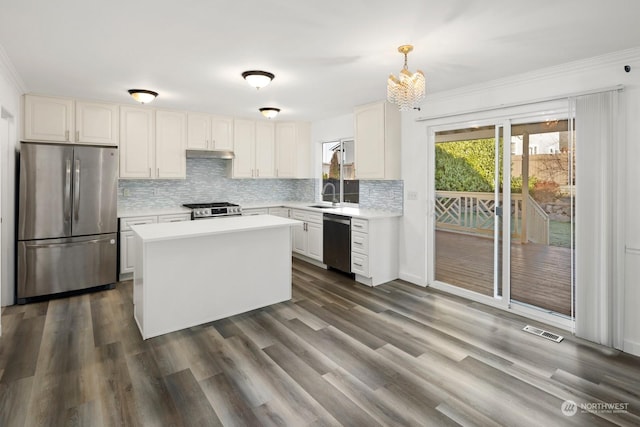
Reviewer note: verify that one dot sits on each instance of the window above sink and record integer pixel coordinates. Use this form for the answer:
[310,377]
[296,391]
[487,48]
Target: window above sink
[338,173]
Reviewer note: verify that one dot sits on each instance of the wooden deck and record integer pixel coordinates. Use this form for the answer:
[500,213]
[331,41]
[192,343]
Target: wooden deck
[540,274]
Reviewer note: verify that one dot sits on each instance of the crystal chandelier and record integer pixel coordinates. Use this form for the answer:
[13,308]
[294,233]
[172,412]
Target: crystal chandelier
[408,89]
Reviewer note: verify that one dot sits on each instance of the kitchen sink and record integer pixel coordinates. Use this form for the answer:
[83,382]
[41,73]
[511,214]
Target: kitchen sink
[323,207]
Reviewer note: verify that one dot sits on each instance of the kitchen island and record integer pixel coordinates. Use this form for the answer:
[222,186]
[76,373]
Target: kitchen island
[194,272]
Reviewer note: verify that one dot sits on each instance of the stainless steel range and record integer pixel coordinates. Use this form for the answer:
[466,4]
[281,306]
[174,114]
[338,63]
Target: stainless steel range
[213,210]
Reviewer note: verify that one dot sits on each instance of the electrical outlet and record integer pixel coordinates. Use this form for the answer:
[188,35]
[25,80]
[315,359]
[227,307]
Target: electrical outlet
[412,195]
[156,191]
[125,192]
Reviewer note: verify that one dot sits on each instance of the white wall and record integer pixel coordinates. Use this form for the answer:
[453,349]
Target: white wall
[332,129]
[592,74]
[11,111]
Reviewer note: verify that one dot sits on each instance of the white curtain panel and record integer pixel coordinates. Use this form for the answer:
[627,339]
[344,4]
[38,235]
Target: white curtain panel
[599,198]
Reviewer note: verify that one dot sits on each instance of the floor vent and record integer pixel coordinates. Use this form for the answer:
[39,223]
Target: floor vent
[542,333]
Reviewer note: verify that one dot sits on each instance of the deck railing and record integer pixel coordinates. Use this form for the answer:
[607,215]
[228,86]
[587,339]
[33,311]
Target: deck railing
[537,223]
[471,212]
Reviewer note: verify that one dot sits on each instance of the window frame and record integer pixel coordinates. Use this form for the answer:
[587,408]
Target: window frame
[340,188]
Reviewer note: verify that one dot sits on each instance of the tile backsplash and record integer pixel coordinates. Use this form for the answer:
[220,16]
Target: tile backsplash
[208,180]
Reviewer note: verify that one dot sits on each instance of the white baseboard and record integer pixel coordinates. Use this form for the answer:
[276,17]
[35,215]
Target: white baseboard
[412,278]
[309,260]
[631,347]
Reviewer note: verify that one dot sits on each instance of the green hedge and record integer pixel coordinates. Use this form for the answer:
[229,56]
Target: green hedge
[469,166]
[465,166]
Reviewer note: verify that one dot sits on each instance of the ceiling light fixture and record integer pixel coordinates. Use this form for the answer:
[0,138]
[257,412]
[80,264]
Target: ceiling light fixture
[409,88]
[269,112]
[257,78]
[143,96]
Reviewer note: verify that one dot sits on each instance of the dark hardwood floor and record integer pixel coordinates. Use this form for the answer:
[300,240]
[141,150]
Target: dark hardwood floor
[338,353]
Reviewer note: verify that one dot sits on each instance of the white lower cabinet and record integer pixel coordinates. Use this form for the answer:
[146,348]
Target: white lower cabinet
[374,250]
[307,238]
[126,237]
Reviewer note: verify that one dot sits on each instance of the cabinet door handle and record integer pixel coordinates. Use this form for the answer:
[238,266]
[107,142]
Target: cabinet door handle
[257,173]
[158,175]
[357,243]
[149,172]
[356,226]
[66,135]
[213,143]
[356,264]
[77,136]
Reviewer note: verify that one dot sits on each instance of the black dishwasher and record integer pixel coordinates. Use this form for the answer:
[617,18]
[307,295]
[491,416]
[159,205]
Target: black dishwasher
[337,242]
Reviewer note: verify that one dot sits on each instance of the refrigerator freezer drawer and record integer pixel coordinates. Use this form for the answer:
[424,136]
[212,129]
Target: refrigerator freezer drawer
[59,265]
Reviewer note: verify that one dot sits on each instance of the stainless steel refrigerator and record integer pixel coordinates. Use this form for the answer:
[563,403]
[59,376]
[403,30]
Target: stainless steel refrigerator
[67,218]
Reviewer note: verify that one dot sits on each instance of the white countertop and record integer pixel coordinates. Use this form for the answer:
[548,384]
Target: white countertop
[127,213]
[206,227]
[354,212]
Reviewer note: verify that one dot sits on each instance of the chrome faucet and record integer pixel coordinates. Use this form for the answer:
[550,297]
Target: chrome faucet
[334,201]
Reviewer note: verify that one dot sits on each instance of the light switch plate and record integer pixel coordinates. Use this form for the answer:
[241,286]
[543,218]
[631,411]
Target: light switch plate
[412,195]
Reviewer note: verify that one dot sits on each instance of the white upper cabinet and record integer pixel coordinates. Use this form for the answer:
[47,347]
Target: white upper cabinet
[152,143]
[244,132]
[63,120]
[170,144]
[48,119]
[97,123]
[293,149]
[198,131]
[222,132]
[254,149]
[377,141]
[265,150]
[207,132]
[286,150]
[137,143]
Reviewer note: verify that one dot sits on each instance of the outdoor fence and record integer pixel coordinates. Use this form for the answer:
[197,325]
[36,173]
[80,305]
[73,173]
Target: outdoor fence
[473,213]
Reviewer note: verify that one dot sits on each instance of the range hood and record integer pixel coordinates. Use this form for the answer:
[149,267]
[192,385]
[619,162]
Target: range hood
[210,154]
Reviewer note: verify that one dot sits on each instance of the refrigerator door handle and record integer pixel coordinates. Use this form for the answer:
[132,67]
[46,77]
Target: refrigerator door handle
[65,244]
[76,190]
[67,191]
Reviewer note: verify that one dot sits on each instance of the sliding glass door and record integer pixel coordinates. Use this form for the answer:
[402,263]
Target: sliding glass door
[468,209]
[503,225]
[543,215]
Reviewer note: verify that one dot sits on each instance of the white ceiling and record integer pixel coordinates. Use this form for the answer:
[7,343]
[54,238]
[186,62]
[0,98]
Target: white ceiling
[327,55]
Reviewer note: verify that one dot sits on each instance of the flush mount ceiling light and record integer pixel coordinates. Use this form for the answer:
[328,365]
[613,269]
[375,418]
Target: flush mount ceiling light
[408,89]
[257,78]
[269,112]
[143,96]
